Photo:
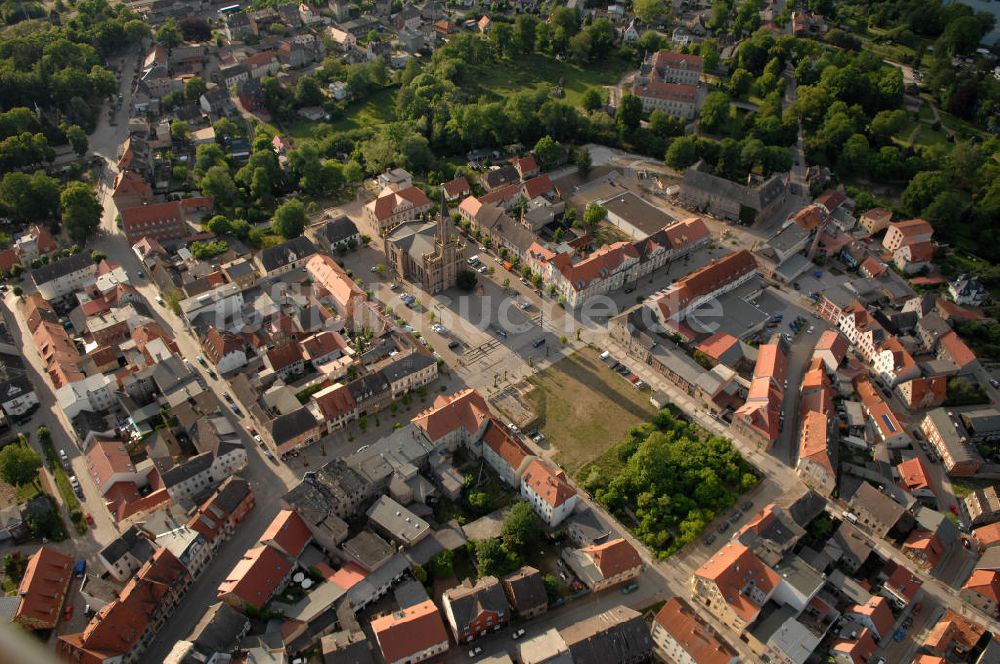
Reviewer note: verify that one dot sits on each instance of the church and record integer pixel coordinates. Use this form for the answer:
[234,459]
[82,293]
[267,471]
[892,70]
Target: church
[428,253]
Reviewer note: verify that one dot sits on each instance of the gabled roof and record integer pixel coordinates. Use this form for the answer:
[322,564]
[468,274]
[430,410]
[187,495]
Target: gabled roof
[548,482]
[468,602]
[506,446]
[335,401]
[43,589]
[385,206]
[953,628]
[280,255]
[405,633]
[537,186]
[913,475]
[288,533]
[859,650]
[613,557]
[218,344]
[989,535]
[456,187]
[985,582]
[284,356]
[525,589]
[704,282]
[878,610]
[912,227]
[696,637]
[732,569]
[466,409]
[256,576]
[957,349]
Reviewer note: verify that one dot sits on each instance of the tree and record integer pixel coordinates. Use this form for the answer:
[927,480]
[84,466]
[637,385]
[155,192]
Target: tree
[19,464]
[466,280]
[290,219]
[683,152]
[665,125]
[579,46]
[218,183]
[524,33]
[81,211]
[521,527]
[594,214]
[714,111]
[581,159]
[77,138]
[180,131]
[169,35]
[29,198]
[308,92]
[194,88]
[740,82]
[922,190]
[480,501]
[591,100]
[650,11]
[490,557]
[442,563]
[548,151]
[194,29]
[629,112]
[551,586]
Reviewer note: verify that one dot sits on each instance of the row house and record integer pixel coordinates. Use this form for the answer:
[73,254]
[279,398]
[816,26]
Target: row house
[218,517]
[474,610]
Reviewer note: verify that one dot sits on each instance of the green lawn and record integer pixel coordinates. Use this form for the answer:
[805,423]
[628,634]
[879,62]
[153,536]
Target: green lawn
[584,408]
[375,110]
[531,72]
[26,492]
[65,490]
[962,487]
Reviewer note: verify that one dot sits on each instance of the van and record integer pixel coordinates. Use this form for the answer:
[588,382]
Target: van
[473,260]
[605,355]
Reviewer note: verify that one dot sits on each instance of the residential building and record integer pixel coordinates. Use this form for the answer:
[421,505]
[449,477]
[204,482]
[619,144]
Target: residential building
[410,372]
[393,208]
[959,457]
[411,635]
[877,512]
[285,257]
[43,589]
[616,635]
[681,101]
[982,590]
[983,506]
[954,634]
[217,518]
[969,291]
[848,547]
[124,628]
[403,526]
[913,478]
[126,554]
[902,233]
[458,188]
[475,609]
[601,566]
[526,593]
[453,420]
[225,350]
[857,650]
[549,491]
[256,578]
[815,462]
[759,418]
[288,534]
[428,253]
[681,636]
[887,426]
[337,287]
[17,396]
[702,191]
[505,453]
[981,424]
[159,221]
[337,233]
[734,585]
[875,615]
[64,276]
[875,220]
[901,587]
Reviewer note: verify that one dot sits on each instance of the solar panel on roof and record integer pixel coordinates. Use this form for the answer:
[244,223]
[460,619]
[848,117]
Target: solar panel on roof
[889,424]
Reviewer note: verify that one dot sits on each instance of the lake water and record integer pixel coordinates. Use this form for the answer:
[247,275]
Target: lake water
[991,7]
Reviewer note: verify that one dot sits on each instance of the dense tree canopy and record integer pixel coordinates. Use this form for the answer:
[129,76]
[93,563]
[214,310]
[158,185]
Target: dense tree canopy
[674,478]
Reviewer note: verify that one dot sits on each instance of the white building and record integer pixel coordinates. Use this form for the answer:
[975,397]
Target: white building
[65,276]
[548,491]
[94,393]
[189,546]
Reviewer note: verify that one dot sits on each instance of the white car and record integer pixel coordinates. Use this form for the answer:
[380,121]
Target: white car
[475,651]
[518,634]
[812,328]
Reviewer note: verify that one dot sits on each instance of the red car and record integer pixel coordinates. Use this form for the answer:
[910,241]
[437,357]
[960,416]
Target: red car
[954,510]
[68,613]
[88,518]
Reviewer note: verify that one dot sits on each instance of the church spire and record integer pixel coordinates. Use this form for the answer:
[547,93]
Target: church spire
[443,234]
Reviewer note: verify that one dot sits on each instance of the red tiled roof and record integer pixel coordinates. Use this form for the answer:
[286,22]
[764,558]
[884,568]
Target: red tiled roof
[988,536]
[43,589]
[705,281]
[686,232]
[8,259]
[813,441]
[288,532]
[701,643]
[677,60]
[508,448]
[548,483]
[985,582]
[386,206]
[130,183]
[107,458]
[412,630]
[256,576]
[218,344]
[913,227]
[117,627]
[717,344]
[466,409]
[670,91]
[831,200]
[878,610]
[285,355]
[322,343]
[953,628]
[810,217]
[456,187]
[903,583]
[506,193]
[731,569]
[614,557]
[334,401]
[859,650]
[873,267]
[526,164]
[913,475]
[537,186]
[959,353]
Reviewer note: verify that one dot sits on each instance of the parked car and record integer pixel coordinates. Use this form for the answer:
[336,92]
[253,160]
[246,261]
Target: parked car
[630,587]
[80,568]
[89,519]
[518,634]
[475,652]
[68,613]
[707,541]
[747,505]
[453,345]
[723,527]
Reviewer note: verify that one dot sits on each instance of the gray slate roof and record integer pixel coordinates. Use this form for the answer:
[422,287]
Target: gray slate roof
[282,254]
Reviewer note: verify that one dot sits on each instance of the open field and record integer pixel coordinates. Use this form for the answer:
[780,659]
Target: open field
[531,72]
[584,408]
